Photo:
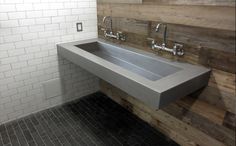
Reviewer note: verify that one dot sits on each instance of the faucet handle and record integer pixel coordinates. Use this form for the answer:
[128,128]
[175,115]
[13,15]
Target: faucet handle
[104,31]
[120,36]
[152,40]
[157,28]
[120,32]
[178,49]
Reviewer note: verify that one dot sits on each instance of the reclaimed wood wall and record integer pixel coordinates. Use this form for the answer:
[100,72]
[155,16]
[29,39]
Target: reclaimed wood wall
[121,1]
[207,30]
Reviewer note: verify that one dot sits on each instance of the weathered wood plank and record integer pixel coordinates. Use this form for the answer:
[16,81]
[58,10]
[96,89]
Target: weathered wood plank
[225,81]
[121,1]
[220,91]
[218,98]
[160,117]
[206,110]
[207,118]
[198,16]
[230,121]
[202,120]
[230,3]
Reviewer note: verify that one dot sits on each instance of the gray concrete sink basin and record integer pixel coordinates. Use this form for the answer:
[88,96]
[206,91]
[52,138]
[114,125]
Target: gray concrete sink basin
[145,66]
[153,80]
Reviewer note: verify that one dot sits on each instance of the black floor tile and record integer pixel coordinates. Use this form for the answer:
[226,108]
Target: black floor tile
[19,134]
[4,135]
[94,120]
[12,135]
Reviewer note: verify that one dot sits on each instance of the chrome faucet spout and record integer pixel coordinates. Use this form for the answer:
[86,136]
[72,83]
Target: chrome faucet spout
[158,27]
[107,21]
[165,35]
[177,48]
[106,17]
[108,32]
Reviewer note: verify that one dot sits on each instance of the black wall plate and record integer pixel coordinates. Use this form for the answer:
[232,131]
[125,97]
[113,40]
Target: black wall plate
[79,26]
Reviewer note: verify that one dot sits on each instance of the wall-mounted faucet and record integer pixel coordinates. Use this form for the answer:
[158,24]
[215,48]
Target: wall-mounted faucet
[177,48]
[158,27]
[107,22]
[108,32]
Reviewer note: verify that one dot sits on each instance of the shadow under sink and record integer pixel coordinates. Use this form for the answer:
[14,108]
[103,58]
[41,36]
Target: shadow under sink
[151,79]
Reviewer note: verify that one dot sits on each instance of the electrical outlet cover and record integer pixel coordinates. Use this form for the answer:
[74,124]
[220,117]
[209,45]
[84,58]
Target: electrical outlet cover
[79,27]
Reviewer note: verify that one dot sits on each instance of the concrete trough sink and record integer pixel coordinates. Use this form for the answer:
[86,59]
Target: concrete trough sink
[153,80]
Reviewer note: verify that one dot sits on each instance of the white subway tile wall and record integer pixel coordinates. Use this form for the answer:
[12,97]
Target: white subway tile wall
[29,32]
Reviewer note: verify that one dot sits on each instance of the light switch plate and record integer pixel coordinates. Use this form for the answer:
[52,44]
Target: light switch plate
[79,26]
[52,88]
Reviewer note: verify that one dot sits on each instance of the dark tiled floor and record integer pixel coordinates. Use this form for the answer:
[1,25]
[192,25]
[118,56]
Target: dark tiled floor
[94,120]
